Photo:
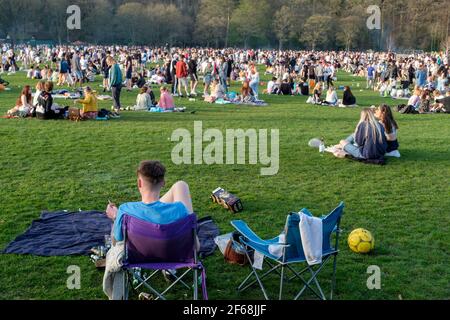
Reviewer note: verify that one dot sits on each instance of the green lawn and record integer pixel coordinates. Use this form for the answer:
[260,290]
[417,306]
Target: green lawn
[58,165]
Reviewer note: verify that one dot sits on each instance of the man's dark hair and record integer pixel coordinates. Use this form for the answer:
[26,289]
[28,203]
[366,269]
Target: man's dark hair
[152,172]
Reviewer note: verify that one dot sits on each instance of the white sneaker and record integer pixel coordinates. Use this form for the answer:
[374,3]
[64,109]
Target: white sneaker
[394,154]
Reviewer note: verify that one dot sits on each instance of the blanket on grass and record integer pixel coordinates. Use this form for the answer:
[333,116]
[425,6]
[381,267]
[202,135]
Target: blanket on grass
[62,234]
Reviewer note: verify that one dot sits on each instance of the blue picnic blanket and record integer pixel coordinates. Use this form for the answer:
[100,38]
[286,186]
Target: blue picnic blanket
[63,234]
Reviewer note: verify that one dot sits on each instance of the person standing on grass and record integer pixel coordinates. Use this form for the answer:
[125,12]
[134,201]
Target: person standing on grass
[208,77]
[63,71]
[181,74]
[222,72]
[115,82]
[105,69]
[254,81]
[76,69]
[128,71]
[370,77]
[173,74]
[193,65]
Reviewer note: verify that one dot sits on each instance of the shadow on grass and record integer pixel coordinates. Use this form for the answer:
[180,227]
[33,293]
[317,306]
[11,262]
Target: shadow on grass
[413,155]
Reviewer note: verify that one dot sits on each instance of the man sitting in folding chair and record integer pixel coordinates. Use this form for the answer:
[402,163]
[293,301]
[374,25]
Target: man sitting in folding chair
[156,233]
[306,240]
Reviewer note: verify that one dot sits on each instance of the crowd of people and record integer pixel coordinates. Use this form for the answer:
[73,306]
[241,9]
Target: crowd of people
[422,79]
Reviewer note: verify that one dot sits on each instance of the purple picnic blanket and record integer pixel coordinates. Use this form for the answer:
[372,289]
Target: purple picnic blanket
[62,234]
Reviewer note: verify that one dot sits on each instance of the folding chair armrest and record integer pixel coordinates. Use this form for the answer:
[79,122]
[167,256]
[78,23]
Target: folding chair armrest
[247,234]
[261,242]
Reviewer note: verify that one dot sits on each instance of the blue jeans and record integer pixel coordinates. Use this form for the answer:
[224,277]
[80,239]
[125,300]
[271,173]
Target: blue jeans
[255,87]
[352,148]
[223,83]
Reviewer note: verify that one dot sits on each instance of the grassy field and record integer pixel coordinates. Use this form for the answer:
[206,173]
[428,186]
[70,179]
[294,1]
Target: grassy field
[58,165]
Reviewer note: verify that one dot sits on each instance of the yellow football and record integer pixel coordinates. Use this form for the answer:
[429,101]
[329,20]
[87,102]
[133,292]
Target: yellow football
[361,241]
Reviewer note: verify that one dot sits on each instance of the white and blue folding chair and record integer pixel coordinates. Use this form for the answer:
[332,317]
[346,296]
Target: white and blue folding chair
[292,254]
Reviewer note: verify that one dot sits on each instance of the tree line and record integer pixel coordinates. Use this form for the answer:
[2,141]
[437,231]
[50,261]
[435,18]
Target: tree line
[296,24]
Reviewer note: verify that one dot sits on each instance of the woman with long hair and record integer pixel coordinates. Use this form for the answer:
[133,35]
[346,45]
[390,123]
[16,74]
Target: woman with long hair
[254,81]
[318,93]
[247,94]
[386,118]
[368,142]
[348,99]
[23,104]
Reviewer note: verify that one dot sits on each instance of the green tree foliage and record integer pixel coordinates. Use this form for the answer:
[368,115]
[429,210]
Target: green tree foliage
[322,24]
[251,19]
[316,31]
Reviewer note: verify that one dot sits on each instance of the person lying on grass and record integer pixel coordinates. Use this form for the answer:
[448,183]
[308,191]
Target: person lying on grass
[367,143]
[175,205]
[90,104]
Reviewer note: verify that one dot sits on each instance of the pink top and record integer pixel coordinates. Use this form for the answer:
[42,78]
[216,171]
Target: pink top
[166,101]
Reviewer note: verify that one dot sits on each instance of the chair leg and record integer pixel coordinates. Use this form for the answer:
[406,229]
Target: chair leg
[281,282]
[195,284]
[255,281]
[256,276]
[160,295]
[314,275]
[333,281]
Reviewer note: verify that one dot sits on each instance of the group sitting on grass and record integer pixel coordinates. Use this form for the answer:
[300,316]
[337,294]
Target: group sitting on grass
[426,101]
[374,139]
[41,104]
[348,99]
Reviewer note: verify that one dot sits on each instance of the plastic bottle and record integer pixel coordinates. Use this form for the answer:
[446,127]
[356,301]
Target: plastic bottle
[322,146]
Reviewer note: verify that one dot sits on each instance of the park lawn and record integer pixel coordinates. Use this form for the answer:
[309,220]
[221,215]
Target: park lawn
[55,165]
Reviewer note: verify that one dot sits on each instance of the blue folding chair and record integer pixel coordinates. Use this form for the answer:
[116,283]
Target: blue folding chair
[292,253]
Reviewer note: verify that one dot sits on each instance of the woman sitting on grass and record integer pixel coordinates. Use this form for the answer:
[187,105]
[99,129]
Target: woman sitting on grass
[318,93]
[40,87]
[349,99]
[414,100]
[145,100]
[367,143]
[45,109]
[90,104]
[247,95]
[166,100]
[384,114]
[217,92]
[332,98]
[24,105]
